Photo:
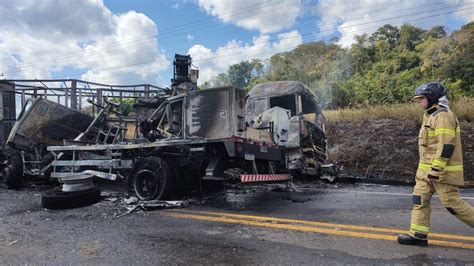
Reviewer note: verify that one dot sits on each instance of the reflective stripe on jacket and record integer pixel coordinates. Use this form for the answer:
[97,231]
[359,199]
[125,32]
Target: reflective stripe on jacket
[439,144]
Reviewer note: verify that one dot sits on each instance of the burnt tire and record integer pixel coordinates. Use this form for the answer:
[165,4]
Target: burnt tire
[56,199]
[152,178]
[13,172]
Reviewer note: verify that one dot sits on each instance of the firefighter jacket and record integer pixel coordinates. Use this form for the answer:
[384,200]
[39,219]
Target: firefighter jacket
[439,144]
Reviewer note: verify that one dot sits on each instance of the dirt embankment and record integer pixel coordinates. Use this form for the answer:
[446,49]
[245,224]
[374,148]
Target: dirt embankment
[387,148]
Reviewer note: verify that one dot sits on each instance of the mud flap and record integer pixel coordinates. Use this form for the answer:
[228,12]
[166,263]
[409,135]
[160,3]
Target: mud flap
[215,169]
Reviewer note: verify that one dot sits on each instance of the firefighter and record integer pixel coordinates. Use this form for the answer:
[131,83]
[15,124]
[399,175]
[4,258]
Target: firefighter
[440,168]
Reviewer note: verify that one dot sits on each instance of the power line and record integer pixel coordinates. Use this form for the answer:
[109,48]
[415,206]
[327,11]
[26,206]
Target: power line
[310,33]
[139,63]
[244,11]
[60,60]
[311,26]
[391,18]
[99,53]
[139,38]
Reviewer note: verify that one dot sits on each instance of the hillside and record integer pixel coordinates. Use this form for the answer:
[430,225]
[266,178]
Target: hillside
[387,148]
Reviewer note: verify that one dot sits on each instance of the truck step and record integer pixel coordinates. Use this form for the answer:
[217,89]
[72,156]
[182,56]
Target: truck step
[264,178]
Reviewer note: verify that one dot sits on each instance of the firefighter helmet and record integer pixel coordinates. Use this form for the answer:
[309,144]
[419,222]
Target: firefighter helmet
[432,91]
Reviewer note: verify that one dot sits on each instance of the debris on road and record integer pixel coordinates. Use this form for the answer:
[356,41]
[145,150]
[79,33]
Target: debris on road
[131,200]
[152,204]
[328,178]
[113,200]
[163,204]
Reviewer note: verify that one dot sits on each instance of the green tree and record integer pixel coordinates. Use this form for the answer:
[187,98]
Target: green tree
[362,53]
[435,32]
[433,54]
[460,64]
[388,33]
[410,36]
[218,81]
[382,68]
[240,74]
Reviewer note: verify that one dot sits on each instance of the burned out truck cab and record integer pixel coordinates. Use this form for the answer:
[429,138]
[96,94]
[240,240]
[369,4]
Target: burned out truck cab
[298,126]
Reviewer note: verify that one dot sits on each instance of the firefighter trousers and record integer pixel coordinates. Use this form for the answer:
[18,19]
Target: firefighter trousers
[449,197]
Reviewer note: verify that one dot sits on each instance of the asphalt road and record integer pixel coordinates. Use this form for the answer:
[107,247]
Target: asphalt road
[312,223]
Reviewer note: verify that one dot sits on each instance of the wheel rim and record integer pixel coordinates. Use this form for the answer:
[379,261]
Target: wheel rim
[146,184]
[78,182]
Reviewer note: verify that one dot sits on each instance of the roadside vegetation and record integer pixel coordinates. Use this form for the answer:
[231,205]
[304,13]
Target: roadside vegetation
[378,70]
[462,107]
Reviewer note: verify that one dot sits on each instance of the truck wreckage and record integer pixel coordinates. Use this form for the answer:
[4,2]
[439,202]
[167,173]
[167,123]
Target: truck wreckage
[41,123]
[292,112]
[216,135]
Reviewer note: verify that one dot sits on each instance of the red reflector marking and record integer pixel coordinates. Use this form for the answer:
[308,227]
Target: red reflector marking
[261,178]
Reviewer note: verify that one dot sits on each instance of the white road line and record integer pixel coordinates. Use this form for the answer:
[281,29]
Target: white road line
[378,193]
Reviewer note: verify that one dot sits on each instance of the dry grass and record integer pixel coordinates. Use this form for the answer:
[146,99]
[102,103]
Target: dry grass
[463,108]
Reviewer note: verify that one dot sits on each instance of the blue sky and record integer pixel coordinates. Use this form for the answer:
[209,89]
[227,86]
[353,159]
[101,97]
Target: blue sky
[128,42]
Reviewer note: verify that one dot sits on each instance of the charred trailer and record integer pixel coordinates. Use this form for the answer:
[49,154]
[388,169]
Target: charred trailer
[293,112]
[194,138]
[41,123]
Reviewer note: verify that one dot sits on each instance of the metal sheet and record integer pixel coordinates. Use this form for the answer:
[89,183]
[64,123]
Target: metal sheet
[280,118]
[47,122]
[294,138]
[209,114]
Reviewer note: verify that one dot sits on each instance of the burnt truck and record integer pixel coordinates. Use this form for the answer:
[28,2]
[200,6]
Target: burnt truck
[297,124]
[191,137]
[195,137]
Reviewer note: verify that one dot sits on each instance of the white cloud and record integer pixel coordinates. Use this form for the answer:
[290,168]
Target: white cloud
[180,3]
[264,15]
[287,41]
[190,38]
[203,58]
[211,63]
[464,13]
[136,46]
[57,19]
[39,38]
[351,18]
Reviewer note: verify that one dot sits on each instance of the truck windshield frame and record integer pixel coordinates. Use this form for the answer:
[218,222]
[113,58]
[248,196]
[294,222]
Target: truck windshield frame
[286,101]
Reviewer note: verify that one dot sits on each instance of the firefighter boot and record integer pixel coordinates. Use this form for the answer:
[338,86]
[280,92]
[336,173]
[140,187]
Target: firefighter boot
[409,240]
